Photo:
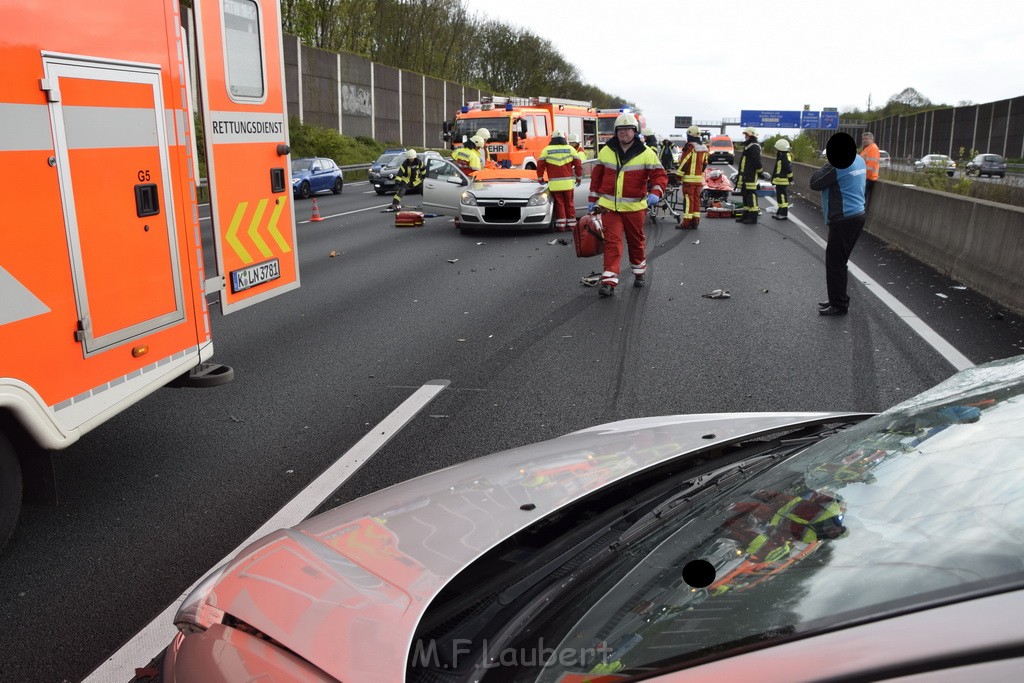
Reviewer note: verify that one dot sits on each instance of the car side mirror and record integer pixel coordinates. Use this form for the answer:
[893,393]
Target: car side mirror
[455,180]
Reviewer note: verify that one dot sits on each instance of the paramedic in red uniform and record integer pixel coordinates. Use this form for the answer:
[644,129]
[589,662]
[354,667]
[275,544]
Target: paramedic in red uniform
[691,169]
[625,169]
[564,170]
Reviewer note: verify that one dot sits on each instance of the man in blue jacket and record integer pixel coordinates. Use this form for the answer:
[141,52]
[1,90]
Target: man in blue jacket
[841,182]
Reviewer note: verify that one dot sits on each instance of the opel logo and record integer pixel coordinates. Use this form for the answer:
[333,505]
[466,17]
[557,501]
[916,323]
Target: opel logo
[501,202]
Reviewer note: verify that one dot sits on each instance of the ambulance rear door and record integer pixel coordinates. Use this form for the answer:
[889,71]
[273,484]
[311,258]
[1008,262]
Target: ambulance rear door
[241,76]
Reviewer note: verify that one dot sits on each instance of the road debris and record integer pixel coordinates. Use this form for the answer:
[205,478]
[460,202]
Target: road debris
[717,294]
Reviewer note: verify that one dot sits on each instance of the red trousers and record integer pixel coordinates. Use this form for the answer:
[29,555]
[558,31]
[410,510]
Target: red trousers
[565,212]
[628,224]
[691,210]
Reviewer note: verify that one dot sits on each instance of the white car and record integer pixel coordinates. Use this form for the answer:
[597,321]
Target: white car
[769,547]
[495,198]
[884,161]
[932,162]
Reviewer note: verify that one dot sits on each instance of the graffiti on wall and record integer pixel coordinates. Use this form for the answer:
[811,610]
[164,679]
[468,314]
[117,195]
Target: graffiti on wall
[356,100]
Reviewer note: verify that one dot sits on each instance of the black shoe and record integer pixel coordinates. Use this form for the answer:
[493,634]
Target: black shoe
[832,310]
[824,304]
[638,280]
[780,218]
[605,290]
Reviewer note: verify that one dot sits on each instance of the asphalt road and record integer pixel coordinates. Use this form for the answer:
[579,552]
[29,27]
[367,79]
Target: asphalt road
[156,496]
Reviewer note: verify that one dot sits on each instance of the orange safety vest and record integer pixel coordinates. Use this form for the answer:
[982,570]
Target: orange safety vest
[871,160]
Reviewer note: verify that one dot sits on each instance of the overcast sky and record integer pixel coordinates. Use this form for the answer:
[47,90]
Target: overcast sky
[805,52]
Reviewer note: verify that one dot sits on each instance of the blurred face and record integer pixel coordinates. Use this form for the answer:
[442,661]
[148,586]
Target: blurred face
[866,140]
[625,135]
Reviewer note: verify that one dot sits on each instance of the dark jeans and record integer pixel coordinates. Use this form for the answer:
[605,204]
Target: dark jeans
[842,236]
[868,189]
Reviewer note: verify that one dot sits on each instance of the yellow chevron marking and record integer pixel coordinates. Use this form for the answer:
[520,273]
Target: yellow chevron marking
[272,228]
[232,233]
[254,230]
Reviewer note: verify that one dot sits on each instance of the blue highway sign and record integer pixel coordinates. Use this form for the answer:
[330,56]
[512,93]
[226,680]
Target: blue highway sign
[769,119]
[810,119]
[830,120]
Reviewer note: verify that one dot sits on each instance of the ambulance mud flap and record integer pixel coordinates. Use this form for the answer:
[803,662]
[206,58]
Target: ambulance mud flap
[205,376]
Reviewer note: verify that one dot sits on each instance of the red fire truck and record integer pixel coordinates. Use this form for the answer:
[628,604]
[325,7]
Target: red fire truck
[520,127]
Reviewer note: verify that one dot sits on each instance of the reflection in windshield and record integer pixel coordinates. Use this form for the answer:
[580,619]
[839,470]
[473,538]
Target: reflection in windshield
[919,503]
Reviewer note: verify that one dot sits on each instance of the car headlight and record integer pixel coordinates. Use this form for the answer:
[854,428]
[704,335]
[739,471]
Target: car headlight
[296,181]
[468,199]
[195,614]
[539,198]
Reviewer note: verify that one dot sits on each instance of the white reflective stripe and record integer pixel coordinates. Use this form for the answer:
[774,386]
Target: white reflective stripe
[639,269]
[25,127]
[109,127]
[610,277]
[16,301]
[228,127]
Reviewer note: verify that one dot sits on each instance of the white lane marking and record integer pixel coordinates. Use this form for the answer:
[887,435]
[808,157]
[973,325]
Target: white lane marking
[930,336]
[145,645]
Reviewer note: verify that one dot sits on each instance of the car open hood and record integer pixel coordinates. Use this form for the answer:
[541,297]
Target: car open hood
[346,589]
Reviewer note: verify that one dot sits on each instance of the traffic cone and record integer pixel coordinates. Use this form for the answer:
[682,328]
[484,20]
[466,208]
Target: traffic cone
[316,213]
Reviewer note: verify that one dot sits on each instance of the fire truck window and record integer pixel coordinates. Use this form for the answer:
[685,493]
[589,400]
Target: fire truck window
[540,126]
[243,48]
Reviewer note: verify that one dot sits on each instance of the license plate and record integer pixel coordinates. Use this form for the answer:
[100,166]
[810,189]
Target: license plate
[247,278]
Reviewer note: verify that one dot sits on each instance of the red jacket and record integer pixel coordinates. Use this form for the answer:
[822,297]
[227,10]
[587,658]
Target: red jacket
[621,180]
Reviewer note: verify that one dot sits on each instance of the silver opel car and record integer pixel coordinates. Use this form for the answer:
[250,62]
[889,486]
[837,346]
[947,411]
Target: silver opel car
[769,547]
[495,198]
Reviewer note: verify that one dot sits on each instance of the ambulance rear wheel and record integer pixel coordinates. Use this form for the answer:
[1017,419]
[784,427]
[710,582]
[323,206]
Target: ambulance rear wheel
[10,490]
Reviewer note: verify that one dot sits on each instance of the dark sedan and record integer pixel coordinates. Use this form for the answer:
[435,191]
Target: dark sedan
[987,164]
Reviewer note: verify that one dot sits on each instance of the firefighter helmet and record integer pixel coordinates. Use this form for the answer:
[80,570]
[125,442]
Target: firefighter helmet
[477,140]
[627,121]
[573,139]
[410,154]
[484,134]
[557,134]
[782,145]
[749,131]
[694,131]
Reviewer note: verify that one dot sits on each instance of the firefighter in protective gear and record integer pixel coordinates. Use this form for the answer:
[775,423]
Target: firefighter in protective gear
[626,180]
[776,520]
[564,171]
[574,142]
[410,175]
[467,158]
[650,139]
[750,169]
[691,169]
[481,137]
[667,156]
[782,178]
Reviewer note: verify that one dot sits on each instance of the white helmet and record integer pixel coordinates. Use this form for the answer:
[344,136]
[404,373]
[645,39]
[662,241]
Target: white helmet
[484,134]
[557,134]
[573,139]
[782,145]
[627,121]
[410,154]
[478,141]
[749,131]
[694,131]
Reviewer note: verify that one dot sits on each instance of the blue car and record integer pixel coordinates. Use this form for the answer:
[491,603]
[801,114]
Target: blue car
[315,174]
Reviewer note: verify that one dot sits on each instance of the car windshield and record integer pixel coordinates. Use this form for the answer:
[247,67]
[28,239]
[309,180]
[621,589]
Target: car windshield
[496,126]
[910,507]
[299,165]
[721,143]
[388,159]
